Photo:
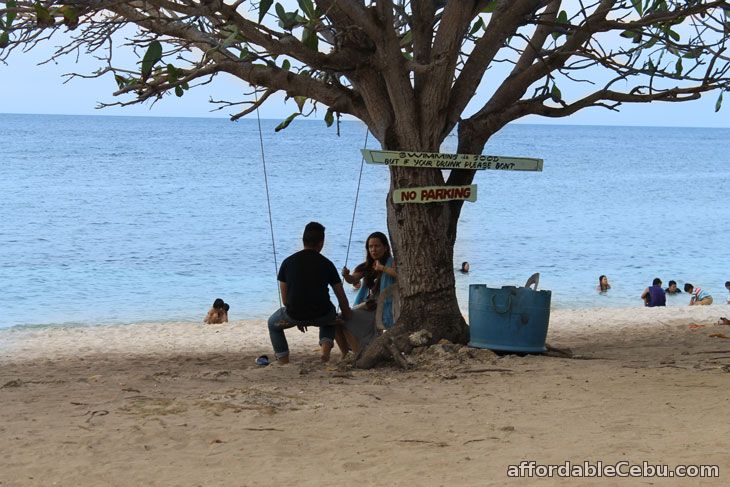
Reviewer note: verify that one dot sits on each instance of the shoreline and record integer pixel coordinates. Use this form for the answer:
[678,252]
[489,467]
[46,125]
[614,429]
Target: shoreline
[198,317]
[34,342]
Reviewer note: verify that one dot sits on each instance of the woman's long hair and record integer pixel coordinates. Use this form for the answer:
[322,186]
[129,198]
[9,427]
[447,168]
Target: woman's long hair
[600,283]
[367,267]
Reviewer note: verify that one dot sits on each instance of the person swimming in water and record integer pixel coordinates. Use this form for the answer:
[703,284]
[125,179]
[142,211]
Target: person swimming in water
[603,284]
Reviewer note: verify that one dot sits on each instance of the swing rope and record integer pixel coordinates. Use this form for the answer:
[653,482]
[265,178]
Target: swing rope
[268,199]
[357,196]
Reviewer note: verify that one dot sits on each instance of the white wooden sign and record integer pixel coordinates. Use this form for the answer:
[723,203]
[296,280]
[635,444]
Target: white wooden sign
[435,194]
[451,161]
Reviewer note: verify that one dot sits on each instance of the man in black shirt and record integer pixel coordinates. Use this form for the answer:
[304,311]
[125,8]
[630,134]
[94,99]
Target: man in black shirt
[304,278]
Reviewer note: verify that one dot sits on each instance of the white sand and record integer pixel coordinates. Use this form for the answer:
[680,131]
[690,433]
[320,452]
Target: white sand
[184,404]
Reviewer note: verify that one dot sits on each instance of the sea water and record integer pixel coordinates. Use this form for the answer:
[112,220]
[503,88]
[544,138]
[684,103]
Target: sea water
[123,219]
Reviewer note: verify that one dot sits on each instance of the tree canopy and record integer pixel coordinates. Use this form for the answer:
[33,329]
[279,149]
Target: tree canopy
[415,62]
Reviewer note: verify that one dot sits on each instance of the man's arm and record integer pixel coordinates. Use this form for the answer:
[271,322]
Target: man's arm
[645,295]
[342,301]
[282,291]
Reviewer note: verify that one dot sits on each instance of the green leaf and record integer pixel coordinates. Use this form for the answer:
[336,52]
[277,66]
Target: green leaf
[173,74]
[11,4]
[555,94]
[661,6]
[179,91]
[245,54]
[491,6]
[286,65]
[300,100]
[151,57]
[718,103]
[4,40]
[693,53]
[264,6]
[286,122]
[638,6]
[232,34]
[308,8]
[121,81]
[678,66]
[474,28]
[280,12]
[309,38]
[329,117]
[673,35]
[406,39]
[70,16]
[43,17]
[634,35]
[287,20]
[561,19]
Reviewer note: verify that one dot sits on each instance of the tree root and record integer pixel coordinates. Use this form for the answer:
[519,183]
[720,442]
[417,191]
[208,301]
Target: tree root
[396,354]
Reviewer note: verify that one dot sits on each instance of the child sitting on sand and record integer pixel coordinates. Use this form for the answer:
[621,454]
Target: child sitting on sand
[218,313]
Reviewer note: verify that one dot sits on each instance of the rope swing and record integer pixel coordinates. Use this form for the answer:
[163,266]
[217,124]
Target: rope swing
[357,196]
[268,197]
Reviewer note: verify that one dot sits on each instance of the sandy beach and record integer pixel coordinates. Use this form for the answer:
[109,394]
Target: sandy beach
[184,404]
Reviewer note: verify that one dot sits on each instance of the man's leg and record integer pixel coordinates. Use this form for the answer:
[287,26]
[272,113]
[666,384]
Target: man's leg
[278,339]
[326,334]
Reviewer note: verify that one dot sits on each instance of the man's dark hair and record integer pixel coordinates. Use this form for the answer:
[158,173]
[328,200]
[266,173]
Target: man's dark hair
[672,282]
[688,287]
[656,282]
[313,234]
[727,283]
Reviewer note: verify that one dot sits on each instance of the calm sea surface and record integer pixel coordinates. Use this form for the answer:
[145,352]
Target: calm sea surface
[124,219]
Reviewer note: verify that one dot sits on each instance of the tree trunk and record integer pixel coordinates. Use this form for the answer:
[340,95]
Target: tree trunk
[422,240]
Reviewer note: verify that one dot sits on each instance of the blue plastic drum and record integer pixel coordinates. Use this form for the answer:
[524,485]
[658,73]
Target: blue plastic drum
[510,319]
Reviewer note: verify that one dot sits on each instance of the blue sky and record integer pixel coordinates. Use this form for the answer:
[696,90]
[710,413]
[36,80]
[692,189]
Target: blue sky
[29,88]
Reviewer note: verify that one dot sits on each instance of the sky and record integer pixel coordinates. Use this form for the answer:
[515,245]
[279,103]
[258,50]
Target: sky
[26,87]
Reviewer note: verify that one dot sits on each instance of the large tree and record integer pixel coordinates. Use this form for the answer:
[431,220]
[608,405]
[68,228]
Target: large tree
[412,70]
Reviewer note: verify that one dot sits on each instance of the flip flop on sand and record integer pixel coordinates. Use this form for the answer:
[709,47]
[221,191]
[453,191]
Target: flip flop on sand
[263,361]
[723,321]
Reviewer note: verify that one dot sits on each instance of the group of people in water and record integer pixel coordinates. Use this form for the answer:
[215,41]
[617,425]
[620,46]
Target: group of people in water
[656,295]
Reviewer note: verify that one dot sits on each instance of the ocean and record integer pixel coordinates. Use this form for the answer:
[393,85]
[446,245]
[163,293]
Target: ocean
[110,220]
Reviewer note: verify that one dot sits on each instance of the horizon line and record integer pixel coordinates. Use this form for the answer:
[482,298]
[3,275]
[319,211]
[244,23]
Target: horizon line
[347,120]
